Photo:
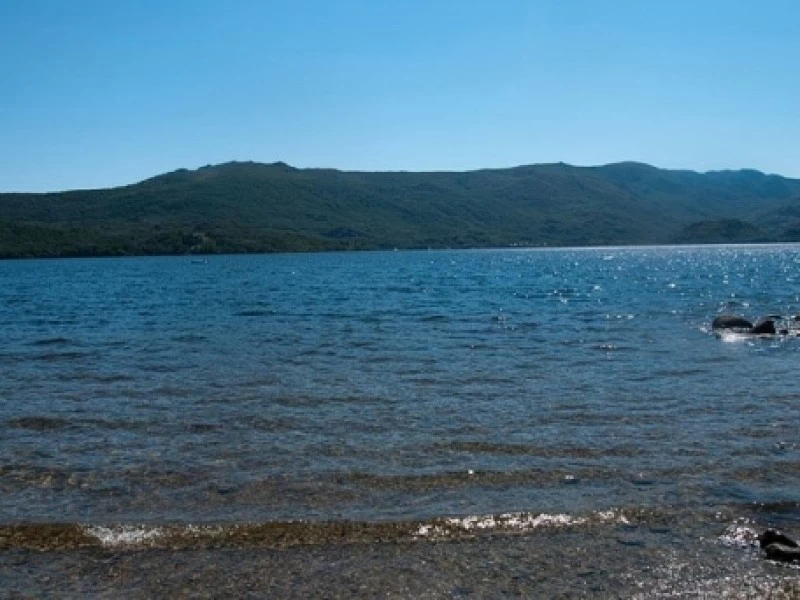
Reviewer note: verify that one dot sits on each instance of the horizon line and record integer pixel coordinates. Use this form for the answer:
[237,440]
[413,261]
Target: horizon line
[378,171]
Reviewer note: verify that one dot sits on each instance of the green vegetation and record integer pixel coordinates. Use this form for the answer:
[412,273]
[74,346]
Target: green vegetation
[722,231]
[251,207]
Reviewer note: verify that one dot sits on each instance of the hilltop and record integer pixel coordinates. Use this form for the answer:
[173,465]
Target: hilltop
[255,207]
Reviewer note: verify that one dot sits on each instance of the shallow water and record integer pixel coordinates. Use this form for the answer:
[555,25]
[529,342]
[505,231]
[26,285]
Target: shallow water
[439,405]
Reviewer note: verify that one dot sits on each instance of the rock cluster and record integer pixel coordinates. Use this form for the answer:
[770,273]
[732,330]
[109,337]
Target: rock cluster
[765,326]
[778,546]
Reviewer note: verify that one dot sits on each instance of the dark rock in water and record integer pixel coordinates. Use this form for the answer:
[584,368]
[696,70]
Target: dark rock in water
[770,536]
[765,326]
[782,553]
[731,322]
[784,332]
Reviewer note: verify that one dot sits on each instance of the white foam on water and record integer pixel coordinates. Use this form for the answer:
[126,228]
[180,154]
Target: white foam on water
[117,536]
[124,535]
[734,337]
[739,534]
[512,522]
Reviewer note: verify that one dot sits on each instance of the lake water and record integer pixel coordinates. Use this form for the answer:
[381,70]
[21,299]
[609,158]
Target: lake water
[408,424]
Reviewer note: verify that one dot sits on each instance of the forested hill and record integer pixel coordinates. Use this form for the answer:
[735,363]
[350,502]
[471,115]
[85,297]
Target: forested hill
[252,207]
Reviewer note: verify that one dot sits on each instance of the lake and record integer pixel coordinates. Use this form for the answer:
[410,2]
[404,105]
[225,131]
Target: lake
[549,422]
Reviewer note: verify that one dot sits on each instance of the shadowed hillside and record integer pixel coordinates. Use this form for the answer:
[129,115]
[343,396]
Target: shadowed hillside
[252,207]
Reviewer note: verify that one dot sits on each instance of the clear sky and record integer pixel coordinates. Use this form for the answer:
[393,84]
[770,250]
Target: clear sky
[95,93]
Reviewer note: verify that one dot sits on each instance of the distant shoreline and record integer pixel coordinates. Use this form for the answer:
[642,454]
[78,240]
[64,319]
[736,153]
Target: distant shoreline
[194,257]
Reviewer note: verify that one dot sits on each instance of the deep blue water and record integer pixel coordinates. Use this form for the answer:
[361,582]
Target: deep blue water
[395,386]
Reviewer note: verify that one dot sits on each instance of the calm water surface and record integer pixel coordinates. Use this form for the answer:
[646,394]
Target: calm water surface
[428,398]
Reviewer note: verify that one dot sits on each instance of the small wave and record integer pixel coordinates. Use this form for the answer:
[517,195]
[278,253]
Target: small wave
[39,423]
[124,535]
[471,478]
[378,360]
[116,424]
[161,368]
[487,380]
[60,356]
[270,424]
[314,401]
[56,341]
[45,536]
[201,427]
[542,451]
[517,522]
[435,318]
[77,375]
[680,372]
[613,347]
[190,338]
[21,477]
[254,313]
[69,536]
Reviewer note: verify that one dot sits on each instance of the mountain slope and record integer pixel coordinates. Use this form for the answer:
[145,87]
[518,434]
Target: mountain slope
[252,207]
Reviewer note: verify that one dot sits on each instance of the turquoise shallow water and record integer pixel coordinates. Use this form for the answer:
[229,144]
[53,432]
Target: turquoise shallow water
[398,388]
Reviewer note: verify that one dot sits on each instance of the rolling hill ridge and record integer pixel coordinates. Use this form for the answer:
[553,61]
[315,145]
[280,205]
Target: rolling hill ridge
[255,207]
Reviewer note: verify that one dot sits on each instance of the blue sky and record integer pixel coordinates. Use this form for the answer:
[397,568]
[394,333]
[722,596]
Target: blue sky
[96,93]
